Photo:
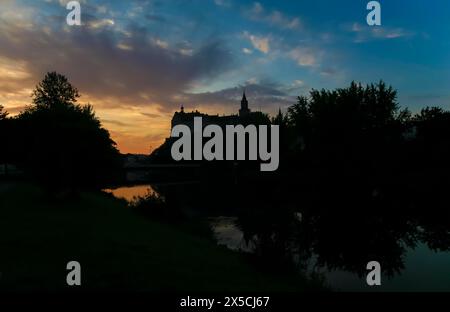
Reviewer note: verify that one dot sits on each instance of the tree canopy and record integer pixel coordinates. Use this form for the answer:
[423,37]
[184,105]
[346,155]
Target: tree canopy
[53,90]
[64,143]
[3,113]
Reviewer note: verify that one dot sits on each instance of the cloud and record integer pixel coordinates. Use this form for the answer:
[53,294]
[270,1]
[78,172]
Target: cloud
[223,3]
[266,96]
[257,9]
[150,115]
[297,84]
[155,18]
[100,23]
[260,43]
[134,74]
[252,81]
[103,62]
[329,71]
[161,43]
[296,87]
[305,57]
[275,18]
[366,33]
[115,122]
[133,78]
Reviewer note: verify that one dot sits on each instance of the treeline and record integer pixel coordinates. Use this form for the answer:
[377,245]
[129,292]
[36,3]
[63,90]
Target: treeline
[354,131]
[363,131]
[57,141]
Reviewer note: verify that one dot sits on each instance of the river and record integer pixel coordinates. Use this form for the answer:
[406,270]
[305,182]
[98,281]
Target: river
[418,268]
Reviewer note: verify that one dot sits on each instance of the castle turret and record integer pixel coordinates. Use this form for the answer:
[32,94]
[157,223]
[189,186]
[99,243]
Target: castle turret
[244,106]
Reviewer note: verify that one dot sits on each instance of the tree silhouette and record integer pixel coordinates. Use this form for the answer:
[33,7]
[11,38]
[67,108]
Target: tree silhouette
[280,119]
[64,143]
[4,140]
[432,143]
[350,128]
[54,90]
[299,120]
[3,113]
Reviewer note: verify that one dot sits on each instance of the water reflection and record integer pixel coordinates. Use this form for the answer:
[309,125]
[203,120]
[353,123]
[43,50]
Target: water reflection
[335,229]
[131,192]
[332,232]
[228,234]
[423,270]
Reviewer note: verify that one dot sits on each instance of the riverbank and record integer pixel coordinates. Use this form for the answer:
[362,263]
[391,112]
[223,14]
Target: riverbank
[117,249]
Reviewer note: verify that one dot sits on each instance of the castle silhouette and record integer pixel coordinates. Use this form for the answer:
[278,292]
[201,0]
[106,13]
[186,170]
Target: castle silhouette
[183,118]
[244,117]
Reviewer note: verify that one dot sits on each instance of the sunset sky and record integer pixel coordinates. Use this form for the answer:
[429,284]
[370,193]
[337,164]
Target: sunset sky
[137,62]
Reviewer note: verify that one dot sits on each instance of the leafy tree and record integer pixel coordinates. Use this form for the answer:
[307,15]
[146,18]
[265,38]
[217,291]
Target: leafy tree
[299,113]
[348,127]
[432,129]
[256,118]
[432,125]
[431,114]
[280,119]
[299,120]
[64,142]
[3,113]
[3,133]
[55,90]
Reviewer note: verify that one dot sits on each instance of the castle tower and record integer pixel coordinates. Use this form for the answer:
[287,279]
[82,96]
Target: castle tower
[244,106]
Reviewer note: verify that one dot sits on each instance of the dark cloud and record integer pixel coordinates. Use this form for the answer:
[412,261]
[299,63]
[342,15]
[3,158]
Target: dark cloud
[328,71]
[15,110]
[101,61]
[267,97]
[150,115]
[156,18]
[115,122]
[130,65]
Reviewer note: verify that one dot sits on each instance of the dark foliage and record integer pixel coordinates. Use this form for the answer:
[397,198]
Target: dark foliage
[62,143]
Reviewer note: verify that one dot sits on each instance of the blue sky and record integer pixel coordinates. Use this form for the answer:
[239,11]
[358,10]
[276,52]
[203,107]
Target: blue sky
[139,61]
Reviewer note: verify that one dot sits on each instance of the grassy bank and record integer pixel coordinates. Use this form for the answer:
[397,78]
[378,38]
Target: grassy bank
[117,249]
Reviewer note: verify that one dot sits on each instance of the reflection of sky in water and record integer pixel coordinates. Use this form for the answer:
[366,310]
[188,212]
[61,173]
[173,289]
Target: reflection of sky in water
[128,192]
[425,270]
[227,234]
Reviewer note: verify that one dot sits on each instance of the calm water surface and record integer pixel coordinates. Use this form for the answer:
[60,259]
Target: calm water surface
[424,269]
[131,192]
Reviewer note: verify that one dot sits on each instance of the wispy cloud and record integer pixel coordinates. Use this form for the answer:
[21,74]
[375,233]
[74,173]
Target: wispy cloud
[125,71]
[223,3]
[264,95]
[306,57]
[100,23]
[276,18]
[365,33]
[259,43]
[137,61]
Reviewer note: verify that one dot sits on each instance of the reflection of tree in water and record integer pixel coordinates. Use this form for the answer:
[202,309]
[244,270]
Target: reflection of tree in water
[337,226]
[342,230]
[369,178]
